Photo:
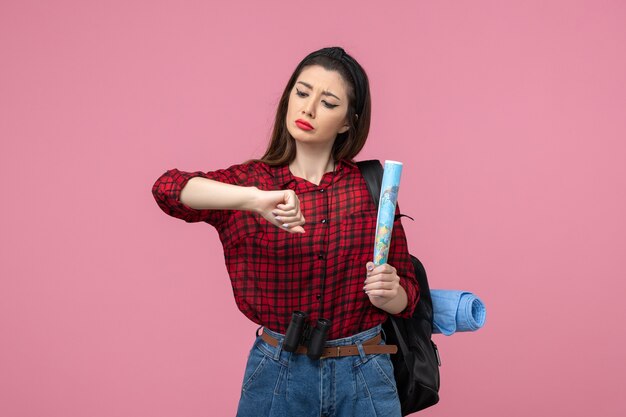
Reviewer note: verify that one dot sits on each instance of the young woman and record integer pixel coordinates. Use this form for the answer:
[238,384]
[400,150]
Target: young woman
[298,229]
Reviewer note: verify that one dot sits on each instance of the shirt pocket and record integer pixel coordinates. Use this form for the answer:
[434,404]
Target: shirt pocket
[357,232]
[239,227]
[262,241]
[277,245]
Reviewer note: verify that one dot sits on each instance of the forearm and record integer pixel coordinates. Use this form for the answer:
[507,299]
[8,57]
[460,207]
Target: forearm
[202,193]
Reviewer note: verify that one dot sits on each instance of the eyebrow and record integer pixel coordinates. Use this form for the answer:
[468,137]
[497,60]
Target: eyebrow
[326,93]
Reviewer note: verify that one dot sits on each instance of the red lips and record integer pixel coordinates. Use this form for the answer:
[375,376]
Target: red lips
[303,124]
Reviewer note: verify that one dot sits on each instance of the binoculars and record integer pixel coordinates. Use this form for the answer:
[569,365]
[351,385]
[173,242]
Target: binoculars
[300,332]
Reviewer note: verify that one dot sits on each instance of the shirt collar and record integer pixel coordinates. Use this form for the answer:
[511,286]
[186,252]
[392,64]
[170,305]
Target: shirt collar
[283,178]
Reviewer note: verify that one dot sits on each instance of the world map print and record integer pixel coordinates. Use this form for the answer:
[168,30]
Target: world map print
[386,213]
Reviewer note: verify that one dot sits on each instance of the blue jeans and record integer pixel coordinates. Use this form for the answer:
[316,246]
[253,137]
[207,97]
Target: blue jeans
[278,383]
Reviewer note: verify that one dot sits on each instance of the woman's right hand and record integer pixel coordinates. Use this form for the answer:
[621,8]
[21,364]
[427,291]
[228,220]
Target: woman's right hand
[281,208]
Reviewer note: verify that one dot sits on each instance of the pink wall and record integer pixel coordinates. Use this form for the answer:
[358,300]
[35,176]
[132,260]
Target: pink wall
[509,117]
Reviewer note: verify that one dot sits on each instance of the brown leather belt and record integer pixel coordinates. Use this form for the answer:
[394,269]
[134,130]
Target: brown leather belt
[370,347]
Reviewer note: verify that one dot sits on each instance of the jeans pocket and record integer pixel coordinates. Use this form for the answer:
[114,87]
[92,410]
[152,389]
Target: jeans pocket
[263,375]
[254,367]
[375,376]
[385,367]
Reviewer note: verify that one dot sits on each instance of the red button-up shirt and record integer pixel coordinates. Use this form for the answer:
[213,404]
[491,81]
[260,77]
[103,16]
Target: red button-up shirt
[320,272]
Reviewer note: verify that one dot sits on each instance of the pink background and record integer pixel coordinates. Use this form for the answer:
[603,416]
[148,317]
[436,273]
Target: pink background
[509,117]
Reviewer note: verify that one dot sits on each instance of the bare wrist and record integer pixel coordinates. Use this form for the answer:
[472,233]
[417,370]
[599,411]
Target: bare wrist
[252,202]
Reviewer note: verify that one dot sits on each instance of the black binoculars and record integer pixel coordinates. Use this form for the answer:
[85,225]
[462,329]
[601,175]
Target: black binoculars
[300,332]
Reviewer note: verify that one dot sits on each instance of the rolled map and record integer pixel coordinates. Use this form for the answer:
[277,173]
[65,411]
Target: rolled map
[386,210]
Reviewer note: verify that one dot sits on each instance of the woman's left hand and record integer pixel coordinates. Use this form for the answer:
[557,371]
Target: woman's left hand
[382,286]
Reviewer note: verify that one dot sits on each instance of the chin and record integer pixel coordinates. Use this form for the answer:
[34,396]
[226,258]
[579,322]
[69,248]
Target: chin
[298,134]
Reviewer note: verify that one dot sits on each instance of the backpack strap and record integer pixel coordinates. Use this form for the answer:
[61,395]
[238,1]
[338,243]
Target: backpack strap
[372,170]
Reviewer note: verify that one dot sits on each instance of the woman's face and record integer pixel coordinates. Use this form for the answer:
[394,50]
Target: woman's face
[318,106]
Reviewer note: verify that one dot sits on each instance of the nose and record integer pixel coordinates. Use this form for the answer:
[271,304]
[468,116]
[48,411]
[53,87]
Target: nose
[309,108]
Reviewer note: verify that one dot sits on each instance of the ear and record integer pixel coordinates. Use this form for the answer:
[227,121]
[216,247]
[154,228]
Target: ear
[344,128]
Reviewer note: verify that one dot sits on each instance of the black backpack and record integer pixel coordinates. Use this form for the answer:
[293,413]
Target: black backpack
[416,365]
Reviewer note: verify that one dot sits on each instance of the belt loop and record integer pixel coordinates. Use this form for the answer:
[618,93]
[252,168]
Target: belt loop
[359,346]
[383,334]
[279,348]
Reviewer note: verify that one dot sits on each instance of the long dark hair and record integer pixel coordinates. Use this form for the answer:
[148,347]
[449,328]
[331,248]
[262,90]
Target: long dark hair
[281,148]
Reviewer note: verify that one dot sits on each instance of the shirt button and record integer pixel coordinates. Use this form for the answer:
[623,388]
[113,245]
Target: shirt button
[323,220]
[318,296]
[320,256]
[321,190]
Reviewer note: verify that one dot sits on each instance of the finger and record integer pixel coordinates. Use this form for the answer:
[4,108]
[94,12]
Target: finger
[385,277]
[291,227]
[297,229]
[290,202]
[384,269]
[373,269]
[289,219]
[292,199]
[285,213]
[381,286]
[286,210]
[378,285]
[382,293]
[285,207]
[379,278]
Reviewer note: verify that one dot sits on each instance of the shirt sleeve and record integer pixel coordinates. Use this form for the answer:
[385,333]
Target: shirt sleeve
[400,259]
[167,188]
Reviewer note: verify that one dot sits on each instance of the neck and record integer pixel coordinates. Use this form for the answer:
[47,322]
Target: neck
[312,166]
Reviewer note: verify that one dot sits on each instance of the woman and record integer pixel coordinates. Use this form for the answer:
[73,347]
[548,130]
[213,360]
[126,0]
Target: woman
[298,228]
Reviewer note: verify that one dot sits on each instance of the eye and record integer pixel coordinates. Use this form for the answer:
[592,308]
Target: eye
[326,104]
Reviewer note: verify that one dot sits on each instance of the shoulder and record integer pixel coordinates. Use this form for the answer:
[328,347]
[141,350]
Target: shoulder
[255,168]
[247,168]
[249,173]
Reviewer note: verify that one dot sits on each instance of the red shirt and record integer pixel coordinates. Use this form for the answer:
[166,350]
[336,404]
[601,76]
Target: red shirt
[320,272]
